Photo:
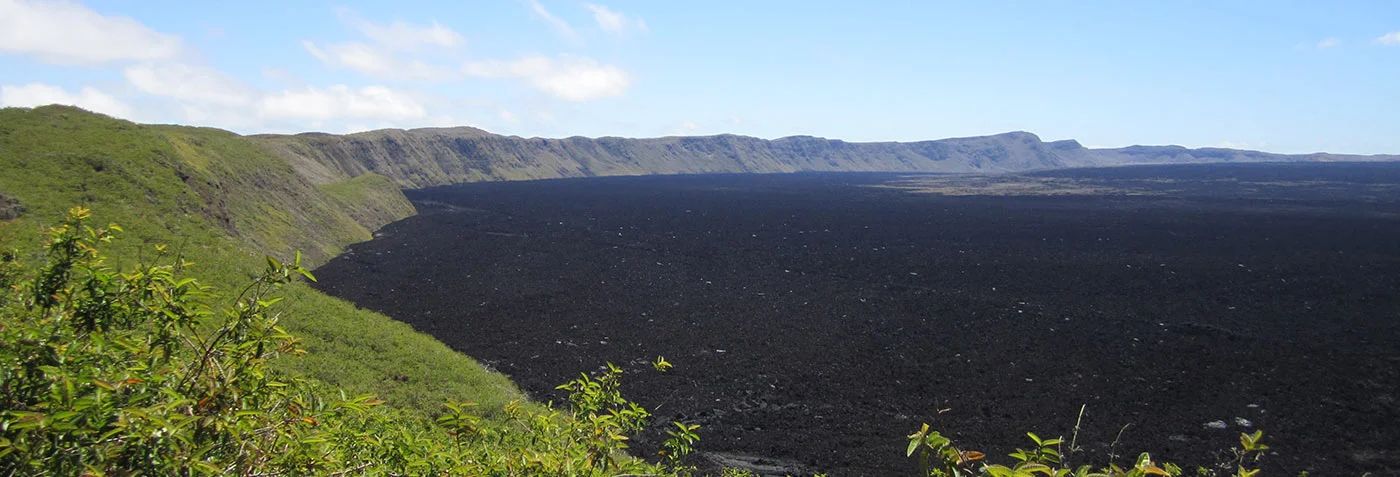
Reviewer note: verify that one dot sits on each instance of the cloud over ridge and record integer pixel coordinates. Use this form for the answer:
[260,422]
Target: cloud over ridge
[573,78]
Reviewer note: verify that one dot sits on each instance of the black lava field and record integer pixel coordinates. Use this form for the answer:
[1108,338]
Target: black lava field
[816,319]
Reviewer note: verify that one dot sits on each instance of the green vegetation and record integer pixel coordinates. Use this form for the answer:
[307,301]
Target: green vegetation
[938,457]
[135,372]
[224,202]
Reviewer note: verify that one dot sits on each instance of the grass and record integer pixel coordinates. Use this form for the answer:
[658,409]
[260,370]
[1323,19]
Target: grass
[224,202]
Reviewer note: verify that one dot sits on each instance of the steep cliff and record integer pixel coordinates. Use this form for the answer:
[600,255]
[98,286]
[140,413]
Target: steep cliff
[437,156]
[429,157]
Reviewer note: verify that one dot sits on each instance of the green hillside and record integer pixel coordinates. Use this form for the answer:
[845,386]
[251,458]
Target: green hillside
[224,202]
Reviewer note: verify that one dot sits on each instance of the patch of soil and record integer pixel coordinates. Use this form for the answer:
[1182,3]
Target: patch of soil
[10,208]
[814,320]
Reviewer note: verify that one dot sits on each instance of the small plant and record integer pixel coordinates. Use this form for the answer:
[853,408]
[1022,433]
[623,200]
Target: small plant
[680,443]
[661,364]
[1243,461]
[606,418]
[937,455]
[1045,452]
[461,422]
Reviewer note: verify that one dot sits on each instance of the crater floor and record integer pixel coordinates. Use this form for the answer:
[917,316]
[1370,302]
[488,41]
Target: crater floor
[816,319]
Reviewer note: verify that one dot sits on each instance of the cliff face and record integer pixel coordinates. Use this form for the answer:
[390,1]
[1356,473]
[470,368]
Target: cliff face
[438,156]
[429,157]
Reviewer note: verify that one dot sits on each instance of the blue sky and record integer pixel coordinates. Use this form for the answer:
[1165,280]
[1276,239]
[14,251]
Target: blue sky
[1277,76]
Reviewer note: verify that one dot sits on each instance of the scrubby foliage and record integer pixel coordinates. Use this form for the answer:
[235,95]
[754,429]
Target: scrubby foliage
[938,457]
[138,372]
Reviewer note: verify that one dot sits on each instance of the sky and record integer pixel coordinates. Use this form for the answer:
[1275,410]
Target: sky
[1280,76]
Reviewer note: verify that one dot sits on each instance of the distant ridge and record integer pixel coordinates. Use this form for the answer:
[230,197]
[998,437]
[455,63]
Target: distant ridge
[427,157]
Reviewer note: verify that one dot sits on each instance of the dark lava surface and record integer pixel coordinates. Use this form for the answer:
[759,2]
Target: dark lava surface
[816,320]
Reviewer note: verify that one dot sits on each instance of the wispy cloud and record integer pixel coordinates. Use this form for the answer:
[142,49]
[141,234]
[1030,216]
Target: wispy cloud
[401,36]
[189,83]
[686,128]
[392,50]
[376,62]
[573,78]
[1389,39]
[71,34]
[558,24]
[1329,43]
[614,22]
[341,102]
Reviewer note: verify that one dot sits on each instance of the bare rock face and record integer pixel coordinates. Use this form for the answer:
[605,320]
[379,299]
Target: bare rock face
[420,158]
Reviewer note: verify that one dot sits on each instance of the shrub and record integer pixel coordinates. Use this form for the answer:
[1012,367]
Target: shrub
[938,457]
[135,372]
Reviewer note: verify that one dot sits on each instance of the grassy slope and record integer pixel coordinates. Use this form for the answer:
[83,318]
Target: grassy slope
[224,202]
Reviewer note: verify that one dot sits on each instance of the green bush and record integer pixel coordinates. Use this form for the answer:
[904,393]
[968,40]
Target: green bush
[134,372]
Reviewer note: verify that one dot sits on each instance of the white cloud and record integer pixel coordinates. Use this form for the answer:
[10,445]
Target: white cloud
[376,62]
[559,25]
[614,22]
[341,102]
[39,94]
[1392,38]
[573,78]
[400,36]
[71,34]
[508,116]
[196,115]
[357,56]
[1328,43]
[188,83]
[393,52]
[280,75]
